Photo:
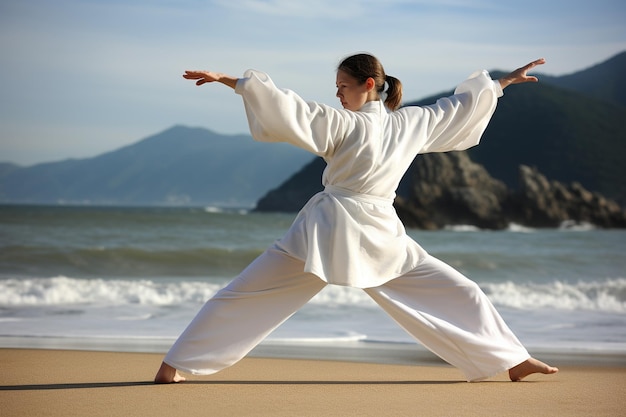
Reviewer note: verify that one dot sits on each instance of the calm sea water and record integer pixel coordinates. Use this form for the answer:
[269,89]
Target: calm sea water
[137,276]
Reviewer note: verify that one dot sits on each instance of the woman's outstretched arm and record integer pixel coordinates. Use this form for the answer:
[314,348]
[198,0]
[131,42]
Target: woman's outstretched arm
[204,77]
[519,75]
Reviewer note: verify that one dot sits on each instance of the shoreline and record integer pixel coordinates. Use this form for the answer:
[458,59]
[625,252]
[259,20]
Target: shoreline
[67,383]
[344,351]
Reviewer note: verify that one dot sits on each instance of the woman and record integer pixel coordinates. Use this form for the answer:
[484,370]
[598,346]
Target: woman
[349,234]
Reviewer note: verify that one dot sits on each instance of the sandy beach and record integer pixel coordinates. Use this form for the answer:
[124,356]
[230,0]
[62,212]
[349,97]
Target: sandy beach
[38,382]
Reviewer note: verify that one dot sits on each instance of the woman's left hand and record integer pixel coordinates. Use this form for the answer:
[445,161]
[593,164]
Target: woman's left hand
[520,75]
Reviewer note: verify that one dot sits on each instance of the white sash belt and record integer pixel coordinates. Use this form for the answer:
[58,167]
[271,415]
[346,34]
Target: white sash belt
[364,198]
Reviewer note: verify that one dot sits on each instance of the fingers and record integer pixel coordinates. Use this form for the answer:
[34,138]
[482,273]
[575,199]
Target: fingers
[203,77]
[523,70]
[193,75]
[533,64]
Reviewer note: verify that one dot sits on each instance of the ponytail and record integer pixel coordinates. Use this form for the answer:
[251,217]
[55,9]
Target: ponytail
[394,93]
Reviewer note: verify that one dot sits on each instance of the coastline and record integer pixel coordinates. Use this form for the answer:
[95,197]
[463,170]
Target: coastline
[98,383]
[345,351]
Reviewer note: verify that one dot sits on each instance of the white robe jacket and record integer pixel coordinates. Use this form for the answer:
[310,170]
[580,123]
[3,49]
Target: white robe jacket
[349,234]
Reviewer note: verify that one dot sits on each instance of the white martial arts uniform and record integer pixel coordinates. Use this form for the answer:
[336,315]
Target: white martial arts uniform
[349,234]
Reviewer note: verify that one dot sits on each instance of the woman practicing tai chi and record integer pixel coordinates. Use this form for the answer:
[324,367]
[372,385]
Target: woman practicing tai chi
[349,234]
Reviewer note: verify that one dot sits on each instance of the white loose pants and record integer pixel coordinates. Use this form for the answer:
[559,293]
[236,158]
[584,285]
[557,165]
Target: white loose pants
[445,311]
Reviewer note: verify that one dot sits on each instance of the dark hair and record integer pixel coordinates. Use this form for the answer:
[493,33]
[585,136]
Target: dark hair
[364,66]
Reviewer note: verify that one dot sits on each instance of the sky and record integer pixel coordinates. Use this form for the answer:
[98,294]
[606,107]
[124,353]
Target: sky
[82,77]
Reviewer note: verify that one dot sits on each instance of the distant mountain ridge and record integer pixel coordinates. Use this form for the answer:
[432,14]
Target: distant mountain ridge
[180,166]
[602,81]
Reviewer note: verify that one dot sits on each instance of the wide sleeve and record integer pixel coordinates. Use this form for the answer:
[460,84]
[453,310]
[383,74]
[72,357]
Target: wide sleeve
[279,115]
[457,122]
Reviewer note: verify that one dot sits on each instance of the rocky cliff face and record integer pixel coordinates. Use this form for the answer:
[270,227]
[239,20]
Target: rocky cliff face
[444,189]
[543,203]
[447,189]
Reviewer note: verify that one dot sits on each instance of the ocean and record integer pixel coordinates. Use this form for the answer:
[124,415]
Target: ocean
[131,279]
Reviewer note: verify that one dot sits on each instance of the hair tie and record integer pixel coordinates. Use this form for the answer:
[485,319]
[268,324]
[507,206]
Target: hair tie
[385,85]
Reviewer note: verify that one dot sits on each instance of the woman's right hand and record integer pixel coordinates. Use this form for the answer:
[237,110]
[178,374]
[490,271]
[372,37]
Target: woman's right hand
[204,77]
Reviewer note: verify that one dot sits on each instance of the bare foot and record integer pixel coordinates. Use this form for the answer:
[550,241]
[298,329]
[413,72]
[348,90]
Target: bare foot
[530,366]
[167,375]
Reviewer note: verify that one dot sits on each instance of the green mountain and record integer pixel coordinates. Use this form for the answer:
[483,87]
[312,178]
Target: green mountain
[567,136]
[181,165]
[603,81]
[570,128]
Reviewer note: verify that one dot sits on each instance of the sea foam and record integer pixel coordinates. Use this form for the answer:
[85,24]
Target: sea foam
[607,295]
[63,290]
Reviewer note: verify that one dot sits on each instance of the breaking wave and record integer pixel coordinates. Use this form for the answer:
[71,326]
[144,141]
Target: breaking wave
[608,295]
